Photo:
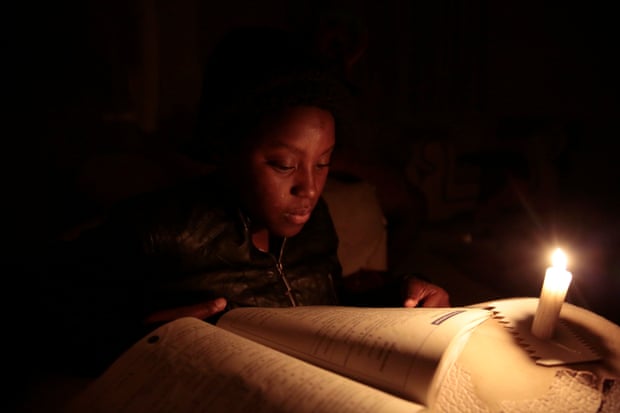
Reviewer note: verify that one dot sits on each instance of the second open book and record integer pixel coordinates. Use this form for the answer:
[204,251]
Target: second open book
[303,359]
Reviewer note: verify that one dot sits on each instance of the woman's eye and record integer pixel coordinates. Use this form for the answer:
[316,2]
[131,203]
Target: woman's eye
[323,165]
[279,166]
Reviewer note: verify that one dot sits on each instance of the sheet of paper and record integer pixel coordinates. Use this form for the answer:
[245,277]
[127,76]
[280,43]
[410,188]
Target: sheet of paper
[190,366]
[394,349]
[567,346]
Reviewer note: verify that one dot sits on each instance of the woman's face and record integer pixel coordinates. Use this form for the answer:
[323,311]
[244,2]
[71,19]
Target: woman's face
[288,164]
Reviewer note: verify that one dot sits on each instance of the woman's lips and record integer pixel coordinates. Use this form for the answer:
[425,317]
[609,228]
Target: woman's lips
[298,216]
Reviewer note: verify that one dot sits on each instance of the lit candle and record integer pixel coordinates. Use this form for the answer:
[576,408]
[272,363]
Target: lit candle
[552,296]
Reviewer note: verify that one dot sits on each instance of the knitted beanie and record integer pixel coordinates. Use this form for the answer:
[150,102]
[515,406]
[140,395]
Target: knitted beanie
[255,72]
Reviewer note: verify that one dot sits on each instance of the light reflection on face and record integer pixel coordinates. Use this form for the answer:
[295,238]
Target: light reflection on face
[288,164]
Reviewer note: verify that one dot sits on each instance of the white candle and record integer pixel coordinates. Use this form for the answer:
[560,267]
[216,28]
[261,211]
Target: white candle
[552,296]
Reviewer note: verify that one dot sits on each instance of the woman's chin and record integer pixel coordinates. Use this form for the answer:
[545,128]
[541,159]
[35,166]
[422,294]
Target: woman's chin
[288,230]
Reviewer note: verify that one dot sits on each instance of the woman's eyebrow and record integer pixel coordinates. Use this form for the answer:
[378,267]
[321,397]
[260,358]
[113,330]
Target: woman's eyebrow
[296,149]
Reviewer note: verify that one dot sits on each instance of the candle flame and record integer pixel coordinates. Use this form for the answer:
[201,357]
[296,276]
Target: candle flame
[559,259]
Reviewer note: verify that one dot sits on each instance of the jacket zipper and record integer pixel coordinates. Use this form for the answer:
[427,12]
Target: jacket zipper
[280,268]
[278,260]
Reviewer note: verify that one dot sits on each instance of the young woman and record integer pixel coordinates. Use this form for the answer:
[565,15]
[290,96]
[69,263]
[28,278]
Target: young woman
[254,232]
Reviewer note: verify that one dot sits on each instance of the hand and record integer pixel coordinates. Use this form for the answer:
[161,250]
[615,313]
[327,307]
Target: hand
[202,311]
[420,292]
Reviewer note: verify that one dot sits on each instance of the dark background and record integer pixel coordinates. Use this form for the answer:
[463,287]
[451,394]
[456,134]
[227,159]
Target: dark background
[503,113]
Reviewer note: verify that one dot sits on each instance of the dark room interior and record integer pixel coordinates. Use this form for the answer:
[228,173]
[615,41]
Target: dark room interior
[504,115]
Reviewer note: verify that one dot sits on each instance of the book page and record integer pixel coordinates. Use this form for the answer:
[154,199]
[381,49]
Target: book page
[192,366]
[394,349]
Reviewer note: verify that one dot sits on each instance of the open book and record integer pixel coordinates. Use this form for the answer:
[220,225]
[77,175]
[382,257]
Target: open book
[302,359]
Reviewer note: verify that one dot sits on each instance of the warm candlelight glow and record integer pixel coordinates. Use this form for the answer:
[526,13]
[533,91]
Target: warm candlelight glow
[558,259]
[557,278]
[552,295]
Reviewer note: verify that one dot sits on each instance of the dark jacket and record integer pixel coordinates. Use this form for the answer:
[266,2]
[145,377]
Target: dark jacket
[176,247]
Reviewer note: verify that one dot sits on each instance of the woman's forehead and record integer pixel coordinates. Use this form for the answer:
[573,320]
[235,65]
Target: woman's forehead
[295,123]
[297,116]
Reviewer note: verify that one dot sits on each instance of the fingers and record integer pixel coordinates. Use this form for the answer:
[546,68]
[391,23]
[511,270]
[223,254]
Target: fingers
[411,302]
[201,310]
[423,293]
[436,299]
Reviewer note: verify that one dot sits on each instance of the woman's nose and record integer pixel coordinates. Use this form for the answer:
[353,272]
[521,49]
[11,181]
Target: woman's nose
[305,185]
